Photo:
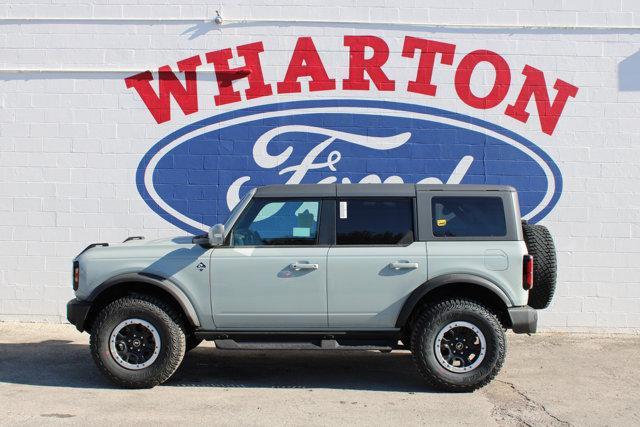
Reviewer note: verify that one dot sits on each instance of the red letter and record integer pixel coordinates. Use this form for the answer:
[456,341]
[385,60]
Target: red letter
[428,49]
[535,85]
[500,85]
[226,76]
[305,61]
[358,65]
[160,105]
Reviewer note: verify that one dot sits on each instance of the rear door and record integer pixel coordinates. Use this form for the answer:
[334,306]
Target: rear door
[375,263]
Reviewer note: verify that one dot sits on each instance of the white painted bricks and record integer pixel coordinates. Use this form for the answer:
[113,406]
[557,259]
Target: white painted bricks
[70,141]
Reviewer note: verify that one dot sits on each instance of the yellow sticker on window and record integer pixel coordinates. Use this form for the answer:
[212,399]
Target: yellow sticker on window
[441,222]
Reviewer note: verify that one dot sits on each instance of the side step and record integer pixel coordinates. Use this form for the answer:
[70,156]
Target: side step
[229,344]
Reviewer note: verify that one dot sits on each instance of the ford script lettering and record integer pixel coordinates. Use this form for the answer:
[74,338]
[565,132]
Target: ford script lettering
[196,175]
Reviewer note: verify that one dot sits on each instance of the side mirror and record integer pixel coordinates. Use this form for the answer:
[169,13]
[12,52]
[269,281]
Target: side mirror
[216,235]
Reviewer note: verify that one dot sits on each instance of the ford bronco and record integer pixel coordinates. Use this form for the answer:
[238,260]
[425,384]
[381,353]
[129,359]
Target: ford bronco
[440,270]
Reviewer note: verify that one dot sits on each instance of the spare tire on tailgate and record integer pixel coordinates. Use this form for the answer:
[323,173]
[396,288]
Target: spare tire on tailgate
[540,244]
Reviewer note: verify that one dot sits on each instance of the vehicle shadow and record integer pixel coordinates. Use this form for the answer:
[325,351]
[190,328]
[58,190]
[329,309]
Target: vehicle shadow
[57,363]
[349,370]
[61,363]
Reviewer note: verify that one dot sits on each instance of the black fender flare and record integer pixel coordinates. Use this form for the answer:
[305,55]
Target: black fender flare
[153,280]
[447,279]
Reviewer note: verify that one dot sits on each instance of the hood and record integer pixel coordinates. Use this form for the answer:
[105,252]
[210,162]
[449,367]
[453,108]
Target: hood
[178,240]
[137,247]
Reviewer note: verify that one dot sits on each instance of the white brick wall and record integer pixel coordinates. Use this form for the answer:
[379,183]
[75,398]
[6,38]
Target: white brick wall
[72,135]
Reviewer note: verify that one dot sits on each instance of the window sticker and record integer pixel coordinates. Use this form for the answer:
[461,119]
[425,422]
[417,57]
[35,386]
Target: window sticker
[441,222]
[343,210]
[301,232]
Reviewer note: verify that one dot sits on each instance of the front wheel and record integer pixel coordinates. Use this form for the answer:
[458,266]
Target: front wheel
[138,342]
[458,345]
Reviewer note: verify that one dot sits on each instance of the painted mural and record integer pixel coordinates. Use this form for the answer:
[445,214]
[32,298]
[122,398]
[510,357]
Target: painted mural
[194,176]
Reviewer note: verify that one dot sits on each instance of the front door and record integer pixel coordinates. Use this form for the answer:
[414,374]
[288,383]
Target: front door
[375,264]
[273,273]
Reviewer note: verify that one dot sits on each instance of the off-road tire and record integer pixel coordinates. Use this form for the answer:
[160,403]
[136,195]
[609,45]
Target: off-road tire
[540,244]
[170,328]
[192,342]
[432,320]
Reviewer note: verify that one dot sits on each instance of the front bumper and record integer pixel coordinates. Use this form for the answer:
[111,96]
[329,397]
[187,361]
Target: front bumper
[524,320]
[77,312]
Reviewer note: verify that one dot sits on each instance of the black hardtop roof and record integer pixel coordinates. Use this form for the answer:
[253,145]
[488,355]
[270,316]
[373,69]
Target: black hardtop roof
[365,190]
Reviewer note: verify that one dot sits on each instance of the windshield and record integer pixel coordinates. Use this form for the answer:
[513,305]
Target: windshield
[235,212]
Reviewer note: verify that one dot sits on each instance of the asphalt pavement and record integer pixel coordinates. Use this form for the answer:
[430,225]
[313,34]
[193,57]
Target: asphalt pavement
[47,376]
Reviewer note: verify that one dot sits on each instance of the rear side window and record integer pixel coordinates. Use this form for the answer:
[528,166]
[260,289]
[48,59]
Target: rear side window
[468,217]
[387,221]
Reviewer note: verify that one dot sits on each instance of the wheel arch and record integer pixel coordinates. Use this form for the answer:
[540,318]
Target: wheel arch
[140,283]
[456,285]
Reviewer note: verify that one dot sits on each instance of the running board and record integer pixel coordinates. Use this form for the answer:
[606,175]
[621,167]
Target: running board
[229,344]
[369,336]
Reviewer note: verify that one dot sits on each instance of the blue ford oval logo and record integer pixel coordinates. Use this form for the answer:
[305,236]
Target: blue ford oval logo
[195,175]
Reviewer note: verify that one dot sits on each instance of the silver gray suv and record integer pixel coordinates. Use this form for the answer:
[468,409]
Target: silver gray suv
[440,270]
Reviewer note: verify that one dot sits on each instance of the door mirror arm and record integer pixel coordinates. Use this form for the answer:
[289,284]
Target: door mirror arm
[202,240]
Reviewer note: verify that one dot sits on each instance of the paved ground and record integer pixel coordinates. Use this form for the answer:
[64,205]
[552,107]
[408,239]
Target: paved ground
[47,375]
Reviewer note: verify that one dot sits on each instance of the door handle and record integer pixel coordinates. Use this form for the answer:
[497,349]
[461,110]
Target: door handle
[397,265]
[303,266]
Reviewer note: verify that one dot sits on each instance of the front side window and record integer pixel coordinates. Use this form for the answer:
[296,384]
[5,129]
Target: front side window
[268,222]
[387,221]
[468,217]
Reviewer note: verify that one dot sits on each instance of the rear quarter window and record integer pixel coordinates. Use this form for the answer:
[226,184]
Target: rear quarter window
[468,217]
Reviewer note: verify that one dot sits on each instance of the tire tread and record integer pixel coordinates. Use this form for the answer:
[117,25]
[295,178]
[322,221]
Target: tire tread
[427,320]
[540,244]
[177,336]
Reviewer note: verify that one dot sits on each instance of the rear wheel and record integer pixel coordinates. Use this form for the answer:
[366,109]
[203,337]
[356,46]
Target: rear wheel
[138,342]
[458,345]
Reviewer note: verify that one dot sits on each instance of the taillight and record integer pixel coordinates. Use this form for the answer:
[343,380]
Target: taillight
[76,275]
[527,272]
